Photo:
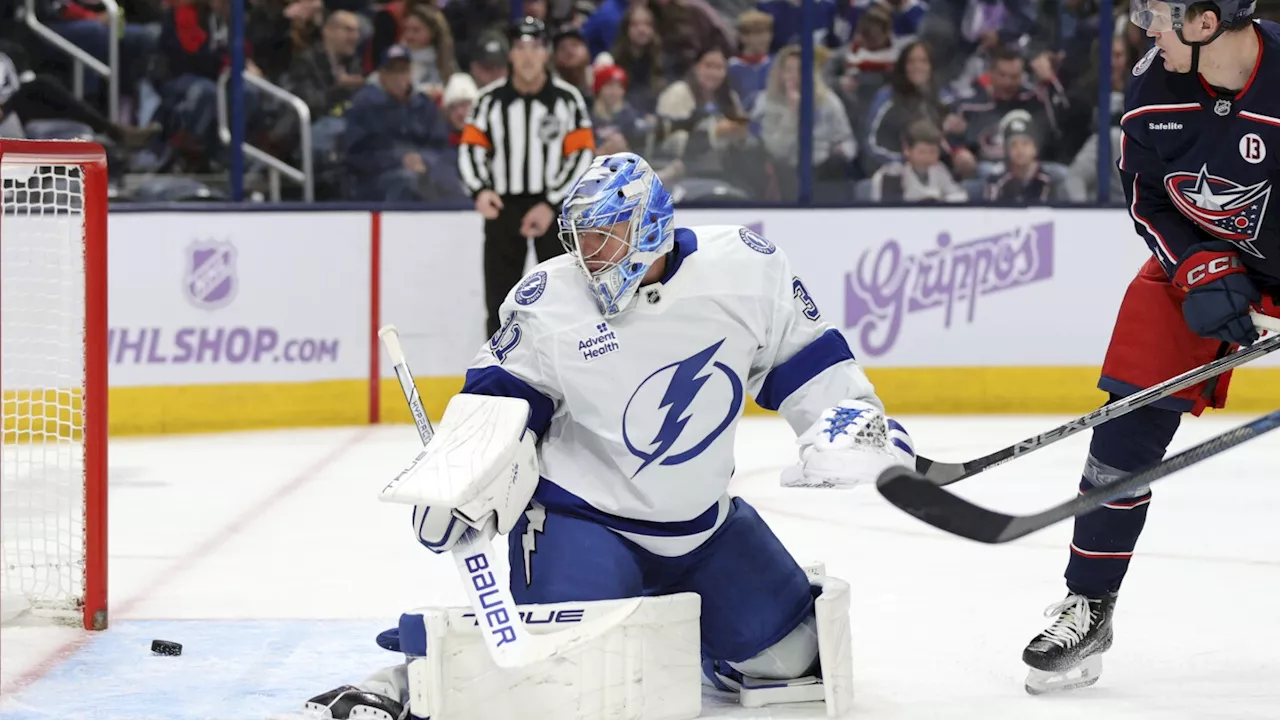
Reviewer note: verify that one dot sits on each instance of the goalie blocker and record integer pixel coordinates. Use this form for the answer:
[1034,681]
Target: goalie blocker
[646,667]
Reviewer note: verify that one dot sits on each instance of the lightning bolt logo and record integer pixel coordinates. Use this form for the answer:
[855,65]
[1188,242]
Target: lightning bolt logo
[537,517]
[686,381]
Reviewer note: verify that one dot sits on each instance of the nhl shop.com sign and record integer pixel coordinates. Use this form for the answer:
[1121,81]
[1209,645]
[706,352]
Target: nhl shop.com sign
[889,285]
[210,282]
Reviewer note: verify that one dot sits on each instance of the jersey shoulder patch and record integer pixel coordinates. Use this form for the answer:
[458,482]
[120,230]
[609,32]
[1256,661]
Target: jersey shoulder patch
[1145,62]
[754,241]
[531,288]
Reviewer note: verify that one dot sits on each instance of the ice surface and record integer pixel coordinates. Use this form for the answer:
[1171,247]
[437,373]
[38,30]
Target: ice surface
[268,556]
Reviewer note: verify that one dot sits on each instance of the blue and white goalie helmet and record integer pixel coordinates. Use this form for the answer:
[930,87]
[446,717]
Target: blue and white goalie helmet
[617,221]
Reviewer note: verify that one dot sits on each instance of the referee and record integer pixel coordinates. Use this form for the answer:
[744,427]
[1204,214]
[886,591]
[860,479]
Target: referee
[528,139]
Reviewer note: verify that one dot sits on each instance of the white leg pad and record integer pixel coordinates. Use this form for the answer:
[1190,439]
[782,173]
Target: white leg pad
[835,654]
[835,645]
[648,667]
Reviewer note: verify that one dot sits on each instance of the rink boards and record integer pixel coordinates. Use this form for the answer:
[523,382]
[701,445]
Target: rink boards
[226,320]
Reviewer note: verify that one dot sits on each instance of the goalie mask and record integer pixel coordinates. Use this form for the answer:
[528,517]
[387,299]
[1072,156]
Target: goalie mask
[616,222]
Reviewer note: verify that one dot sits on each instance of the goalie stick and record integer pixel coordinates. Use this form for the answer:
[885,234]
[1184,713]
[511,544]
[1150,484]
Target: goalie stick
[510,643]
[942,473]
[917,496]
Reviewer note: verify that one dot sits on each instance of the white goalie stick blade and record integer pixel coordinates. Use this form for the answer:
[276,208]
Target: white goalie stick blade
[509,641]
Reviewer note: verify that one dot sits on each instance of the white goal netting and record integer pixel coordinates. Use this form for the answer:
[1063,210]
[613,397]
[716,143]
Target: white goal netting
[42,348]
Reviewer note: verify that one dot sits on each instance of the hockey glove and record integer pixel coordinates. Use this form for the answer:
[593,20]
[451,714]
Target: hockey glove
[849,445]
[1219,293]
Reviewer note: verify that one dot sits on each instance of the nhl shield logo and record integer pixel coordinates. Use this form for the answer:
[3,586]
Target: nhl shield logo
[1222,107]
[1225,209]
[211,274]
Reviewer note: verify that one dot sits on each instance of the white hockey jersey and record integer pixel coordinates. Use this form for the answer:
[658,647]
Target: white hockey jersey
[636,416]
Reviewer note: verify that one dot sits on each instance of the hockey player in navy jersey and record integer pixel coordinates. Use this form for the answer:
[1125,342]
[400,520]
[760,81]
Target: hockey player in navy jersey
[1200,161]
[634,355]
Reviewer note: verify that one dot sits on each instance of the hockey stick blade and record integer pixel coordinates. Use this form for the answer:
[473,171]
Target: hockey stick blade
[510,642]
[943,473]
[917,496]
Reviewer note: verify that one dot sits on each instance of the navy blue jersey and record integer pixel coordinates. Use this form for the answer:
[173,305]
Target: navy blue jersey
[1200,165]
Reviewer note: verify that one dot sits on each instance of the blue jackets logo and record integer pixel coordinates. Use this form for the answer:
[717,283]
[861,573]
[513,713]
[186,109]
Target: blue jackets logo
[1222,207]
[679,410]
[603,342]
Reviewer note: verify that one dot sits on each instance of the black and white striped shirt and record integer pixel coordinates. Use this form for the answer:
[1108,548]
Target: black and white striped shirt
[520,145]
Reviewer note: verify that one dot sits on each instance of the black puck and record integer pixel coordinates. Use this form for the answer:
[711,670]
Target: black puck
[165,647]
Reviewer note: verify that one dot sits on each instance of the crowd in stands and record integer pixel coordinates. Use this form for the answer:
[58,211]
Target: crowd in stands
[914,100]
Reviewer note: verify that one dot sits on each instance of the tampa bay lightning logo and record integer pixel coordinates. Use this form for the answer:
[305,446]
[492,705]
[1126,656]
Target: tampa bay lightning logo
[756,242]
[693,394]
[531,289]
[1225,209]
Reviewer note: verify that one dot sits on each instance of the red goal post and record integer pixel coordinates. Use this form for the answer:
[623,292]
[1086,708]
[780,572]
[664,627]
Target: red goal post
[53,367]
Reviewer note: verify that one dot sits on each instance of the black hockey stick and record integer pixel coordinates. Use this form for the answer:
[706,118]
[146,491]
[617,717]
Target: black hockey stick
[917,496]
[941,473]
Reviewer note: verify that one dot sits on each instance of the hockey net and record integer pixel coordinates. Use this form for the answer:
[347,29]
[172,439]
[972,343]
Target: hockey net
[54,374]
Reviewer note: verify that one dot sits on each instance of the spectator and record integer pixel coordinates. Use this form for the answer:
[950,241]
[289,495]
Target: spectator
[280,32]
[749,69]
[1080,118]
[873,50]
[639,51]
[778,115]
[425,32]
[906,17]
[194,40]
[618,126]
[1023,181]
[396,139]
[581,12]
[708,119]
[996,23]
[912,94]
[327,76]
[470,19]
[975,135]
[489,60]
[688,29]
[572,60]
[86,24]
[601,29]
[460,96]
[922,177]
[27,97]
[537,9]
[386,32]
[786,16]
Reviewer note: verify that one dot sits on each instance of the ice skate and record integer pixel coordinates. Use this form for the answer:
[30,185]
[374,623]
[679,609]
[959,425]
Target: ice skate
[1068,654]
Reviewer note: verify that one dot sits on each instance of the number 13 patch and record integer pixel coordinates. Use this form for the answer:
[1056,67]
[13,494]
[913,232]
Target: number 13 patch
[801,293]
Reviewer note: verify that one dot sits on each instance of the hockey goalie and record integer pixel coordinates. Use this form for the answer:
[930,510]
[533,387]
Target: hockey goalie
[596,431]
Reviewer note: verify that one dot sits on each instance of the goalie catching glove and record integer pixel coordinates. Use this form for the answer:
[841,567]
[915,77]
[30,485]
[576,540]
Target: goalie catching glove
[481,466]
[850,444]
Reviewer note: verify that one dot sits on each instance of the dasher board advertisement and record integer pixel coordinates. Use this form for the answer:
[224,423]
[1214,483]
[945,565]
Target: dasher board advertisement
[207,298]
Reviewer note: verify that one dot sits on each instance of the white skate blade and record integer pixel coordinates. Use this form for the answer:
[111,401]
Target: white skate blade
[759,693]
[1085,674]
